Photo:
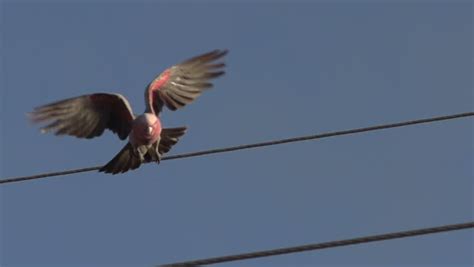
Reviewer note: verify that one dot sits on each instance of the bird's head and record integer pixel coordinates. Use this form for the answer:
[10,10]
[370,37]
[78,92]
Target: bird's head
[147,127]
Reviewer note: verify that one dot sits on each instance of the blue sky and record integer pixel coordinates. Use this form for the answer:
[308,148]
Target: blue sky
[293,69]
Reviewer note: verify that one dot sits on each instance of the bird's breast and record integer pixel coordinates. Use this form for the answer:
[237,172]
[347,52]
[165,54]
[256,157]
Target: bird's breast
[145,134]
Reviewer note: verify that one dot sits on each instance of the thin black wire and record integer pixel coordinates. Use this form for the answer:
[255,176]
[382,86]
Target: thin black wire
[255,145]
[331,244]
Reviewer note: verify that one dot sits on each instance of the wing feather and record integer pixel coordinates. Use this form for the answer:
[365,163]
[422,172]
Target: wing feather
[181,84]
[86,116]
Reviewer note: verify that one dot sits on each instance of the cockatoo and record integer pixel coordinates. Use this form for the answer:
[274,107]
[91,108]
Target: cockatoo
[87,116]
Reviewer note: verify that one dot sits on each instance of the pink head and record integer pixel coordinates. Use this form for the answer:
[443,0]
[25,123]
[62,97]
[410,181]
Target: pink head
[146,129]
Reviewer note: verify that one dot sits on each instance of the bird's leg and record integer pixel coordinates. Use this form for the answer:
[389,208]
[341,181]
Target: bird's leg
[157,151]
[141,152]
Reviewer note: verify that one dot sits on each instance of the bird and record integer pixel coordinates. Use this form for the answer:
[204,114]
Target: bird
[88,116]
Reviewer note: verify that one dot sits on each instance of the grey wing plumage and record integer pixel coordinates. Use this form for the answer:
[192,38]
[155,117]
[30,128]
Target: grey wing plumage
[181,84]
[86,116]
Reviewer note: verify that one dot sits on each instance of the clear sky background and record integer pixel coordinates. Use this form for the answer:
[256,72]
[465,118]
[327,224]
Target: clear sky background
[293,69]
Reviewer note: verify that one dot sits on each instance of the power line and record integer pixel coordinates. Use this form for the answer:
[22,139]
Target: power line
[331,244]
[255,145]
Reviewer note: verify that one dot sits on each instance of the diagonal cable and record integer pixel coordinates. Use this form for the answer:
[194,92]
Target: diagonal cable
[256,145]
[331,244]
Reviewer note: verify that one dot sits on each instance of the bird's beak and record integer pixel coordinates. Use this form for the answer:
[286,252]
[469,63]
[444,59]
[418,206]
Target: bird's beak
[150,129]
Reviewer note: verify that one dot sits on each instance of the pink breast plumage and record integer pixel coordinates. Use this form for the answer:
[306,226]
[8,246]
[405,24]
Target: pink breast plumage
[141,133]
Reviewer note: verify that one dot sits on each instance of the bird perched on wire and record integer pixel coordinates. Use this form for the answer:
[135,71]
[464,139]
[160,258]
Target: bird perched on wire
[87,116]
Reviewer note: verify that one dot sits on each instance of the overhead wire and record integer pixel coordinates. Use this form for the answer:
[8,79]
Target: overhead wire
[324,245]
[256,145]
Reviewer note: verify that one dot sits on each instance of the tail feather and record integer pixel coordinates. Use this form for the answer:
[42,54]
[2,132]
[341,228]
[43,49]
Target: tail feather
[168,138]
[128,159]
[125,160]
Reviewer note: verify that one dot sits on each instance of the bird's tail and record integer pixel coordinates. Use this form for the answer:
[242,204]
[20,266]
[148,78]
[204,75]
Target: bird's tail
[168,138]
[128,159]
[125,160]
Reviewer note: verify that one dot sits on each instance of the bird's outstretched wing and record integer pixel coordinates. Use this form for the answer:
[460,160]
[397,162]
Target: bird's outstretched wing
[181,84]
[86,116]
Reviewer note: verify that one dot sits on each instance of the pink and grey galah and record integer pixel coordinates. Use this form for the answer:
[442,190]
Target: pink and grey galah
[87,116]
